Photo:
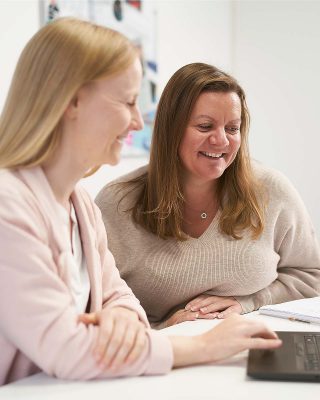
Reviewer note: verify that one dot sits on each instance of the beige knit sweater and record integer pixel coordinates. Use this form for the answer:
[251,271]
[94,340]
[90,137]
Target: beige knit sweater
[283,264]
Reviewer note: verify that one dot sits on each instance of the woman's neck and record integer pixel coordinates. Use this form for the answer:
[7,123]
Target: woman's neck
[63,174]
[200,207]
[200,193]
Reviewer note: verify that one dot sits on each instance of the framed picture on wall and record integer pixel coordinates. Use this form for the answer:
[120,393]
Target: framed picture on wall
[136,20]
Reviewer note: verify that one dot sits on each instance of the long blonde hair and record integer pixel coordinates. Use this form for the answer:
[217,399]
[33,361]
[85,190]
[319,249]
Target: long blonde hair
[158,207]
[58,60]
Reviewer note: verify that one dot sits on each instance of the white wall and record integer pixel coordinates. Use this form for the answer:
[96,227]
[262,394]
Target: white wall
[272,47]
[193,31]
[277,60]
[19,20]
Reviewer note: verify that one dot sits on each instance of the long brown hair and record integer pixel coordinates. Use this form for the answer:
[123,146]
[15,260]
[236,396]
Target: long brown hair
[58,60]
[158,207]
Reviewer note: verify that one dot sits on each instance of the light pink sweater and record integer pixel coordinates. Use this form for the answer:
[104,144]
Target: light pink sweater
[38,319]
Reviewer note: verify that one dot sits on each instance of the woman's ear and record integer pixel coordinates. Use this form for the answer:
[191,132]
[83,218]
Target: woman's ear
[73,107]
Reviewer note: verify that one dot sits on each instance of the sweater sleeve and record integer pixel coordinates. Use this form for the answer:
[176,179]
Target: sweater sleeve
[37,314]
[295,242]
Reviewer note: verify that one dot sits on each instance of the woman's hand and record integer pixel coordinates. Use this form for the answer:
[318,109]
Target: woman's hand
[230,337]
[122,337]
[210,307]
[178,317]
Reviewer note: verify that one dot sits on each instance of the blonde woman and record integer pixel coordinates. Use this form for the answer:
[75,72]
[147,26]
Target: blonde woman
[210,232]
[63,307]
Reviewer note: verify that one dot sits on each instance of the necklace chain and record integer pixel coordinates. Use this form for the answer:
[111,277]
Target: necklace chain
[203,214]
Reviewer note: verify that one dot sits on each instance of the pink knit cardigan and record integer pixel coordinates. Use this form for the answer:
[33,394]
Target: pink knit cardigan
[38,319]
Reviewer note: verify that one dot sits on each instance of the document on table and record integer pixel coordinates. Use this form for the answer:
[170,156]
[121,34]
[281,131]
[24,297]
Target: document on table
[305,310]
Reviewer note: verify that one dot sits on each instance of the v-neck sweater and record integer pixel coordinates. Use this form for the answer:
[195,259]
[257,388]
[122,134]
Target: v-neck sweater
[282,264]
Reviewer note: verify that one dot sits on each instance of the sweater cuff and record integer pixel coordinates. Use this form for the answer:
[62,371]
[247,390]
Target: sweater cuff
[246,303]
[161,354]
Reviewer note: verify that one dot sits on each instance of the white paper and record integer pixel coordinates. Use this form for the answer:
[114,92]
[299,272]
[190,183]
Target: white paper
[306,310]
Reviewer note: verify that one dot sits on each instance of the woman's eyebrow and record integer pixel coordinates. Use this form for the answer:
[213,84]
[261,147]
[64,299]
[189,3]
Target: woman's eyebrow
[204,116]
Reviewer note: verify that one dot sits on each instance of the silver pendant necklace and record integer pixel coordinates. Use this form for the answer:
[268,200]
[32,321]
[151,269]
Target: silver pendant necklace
[203,215]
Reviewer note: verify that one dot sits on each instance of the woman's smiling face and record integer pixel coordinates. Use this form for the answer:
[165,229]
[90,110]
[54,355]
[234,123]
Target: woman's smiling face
[106,111]
[212,137]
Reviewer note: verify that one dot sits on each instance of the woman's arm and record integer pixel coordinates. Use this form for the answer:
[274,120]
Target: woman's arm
[230,337]
[295,241]
[37,313]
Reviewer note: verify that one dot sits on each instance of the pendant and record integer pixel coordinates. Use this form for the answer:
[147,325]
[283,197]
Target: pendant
[203,215]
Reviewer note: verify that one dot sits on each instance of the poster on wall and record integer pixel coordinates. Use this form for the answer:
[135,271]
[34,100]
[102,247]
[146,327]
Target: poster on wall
[136,20]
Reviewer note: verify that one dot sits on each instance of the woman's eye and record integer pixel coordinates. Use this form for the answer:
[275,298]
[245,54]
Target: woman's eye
[131,104]
[233,129]
[204,127]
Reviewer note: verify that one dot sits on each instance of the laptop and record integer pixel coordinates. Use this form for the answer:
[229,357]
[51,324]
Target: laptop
[298,359]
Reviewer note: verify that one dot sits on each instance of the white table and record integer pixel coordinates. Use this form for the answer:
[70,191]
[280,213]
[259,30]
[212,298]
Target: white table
[224,381]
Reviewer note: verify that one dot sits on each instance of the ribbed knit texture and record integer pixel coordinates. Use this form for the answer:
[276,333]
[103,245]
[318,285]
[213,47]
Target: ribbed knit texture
[283,264]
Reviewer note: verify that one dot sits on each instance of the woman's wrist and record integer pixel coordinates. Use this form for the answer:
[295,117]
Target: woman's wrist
[187,350]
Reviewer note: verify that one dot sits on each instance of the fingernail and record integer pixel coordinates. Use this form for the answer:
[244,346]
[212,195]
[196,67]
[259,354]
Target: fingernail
[187,308]
[220,315]
[196,315]
[203,309]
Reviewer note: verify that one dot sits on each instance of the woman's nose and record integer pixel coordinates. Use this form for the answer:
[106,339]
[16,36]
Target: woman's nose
[219,138]
[137,121]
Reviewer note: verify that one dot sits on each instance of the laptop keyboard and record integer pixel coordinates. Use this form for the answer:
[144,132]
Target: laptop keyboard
[312,352]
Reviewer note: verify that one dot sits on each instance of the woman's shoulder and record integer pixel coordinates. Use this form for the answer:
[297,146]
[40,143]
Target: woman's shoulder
[275,183]
[19,203]
[10,183]
[131,176]
[15,187]
[115,190]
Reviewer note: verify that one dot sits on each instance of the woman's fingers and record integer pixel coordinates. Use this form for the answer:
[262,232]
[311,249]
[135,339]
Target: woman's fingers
[132,346]
[209,304]
[262,343]
[121,336]
[106,331]
[88,318]
[234,309]
[257,328]
[220,305]
[138,346]
[259,336]
[181,316]
[114,342]
[124,348]
[207,316]
[198,302]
